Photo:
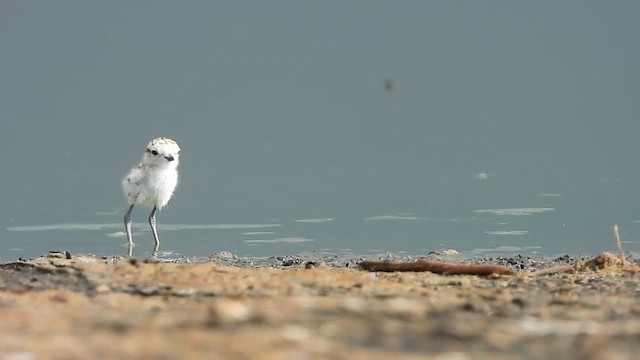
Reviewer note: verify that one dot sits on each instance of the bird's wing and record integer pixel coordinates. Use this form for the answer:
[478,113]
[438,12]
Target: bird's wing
[131,183]
[137,175]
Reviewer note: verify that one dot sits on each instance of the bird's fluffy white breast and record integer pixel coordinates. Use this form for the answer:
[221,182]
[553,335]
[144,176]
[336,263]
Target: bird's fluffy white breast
[151,186]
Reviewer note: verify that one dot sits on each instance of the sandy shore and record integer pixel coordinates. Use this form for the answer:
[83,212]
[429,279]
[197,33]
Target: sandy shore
[79,307]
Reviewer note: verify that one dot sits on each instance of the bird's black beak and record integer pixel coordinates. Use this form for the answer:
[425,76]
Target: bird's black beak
[169,158]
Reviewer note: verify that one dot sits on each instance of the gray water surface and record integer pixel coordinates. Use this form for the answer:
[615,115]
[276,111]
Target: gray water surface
[510,127]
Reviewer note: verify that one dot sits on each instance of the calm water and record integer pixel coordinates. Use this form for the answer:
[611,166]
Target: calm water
[508,128]
[556,227]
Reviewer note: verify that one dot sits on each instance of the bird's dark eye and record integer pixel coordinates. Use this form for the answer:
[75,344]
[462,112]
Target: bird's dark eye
[154,152]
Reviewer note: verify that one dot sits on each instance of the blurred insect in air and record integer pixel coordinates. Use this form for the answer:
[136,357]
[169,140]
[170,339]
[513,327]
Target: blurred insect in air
[389,86]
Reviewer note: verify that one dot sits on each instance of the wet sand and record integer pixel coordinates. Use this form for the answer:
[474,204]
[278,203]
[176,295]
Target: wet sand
[62,306]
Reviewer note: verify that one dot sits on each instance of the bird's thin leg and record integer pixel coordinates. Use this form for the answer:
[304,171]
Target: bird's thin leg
[127,225]
[152,222]
[154,254]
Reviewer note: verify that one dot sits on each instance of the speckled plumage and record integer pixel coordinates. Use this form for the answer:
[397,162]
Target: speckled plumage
[152,181]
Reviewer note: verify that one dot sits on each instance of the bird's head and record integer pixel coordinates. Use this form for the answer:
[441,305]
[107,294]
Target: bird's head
[162,152]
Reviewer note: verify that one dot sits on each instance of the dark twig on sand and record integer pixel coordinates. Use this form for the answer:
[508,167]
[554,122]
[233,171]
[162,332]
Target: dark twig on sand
[435,267]
[603,262]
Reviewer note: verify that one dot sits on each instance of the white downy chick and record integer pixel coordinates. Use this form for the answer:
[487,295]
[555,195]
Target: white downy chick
[152,182]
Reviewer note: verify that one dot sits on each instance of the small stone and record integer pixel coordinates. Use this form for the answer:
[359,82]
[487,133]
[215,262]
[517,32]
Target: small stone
[223,255]
[450,252]
[102,288]
[59,254]
[189,292]
[315,264]
[22,355]
[295,333]
[231,312]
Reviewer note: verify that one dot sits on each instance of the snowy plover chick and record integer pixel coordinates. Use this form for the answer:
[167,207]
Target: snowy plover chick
[152,182]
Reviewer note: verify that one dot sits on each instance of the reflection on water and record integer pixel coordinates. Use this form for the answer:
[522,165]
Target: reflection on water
[291,240]
[512,232]
[514,212]
[319,220]
[397,216]
[505,251]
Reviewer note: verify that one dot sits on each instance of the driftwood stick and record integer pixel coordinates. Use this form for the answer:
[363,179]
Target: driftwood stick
[436,267]
[604,261]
